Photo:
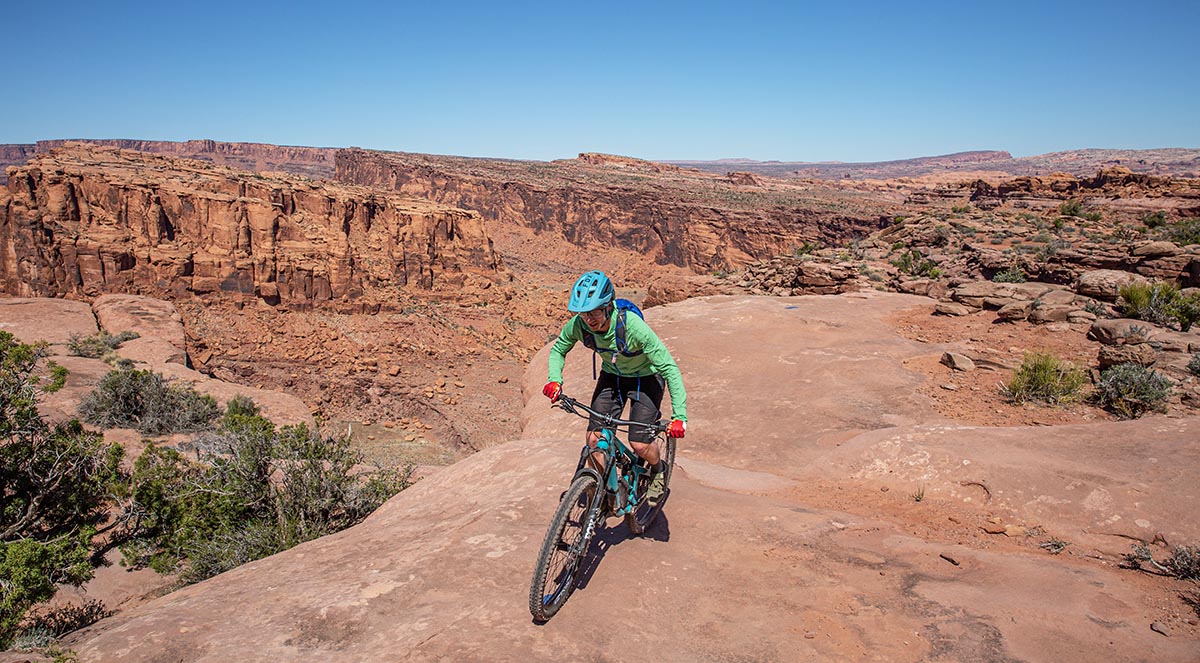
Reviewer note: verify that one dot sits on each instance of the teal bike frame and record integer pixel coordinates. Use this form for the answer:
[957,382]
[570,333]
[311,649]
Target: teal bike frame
[623,469]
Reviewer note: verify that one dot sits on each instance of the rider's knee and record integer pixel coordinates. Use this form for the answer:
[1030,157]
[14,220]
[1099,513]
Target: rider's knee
[593,437]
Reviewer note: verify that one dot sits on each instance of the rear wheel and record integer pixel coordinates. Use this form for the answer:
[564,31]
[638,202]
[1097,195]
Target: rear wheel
[643,516]
[563,549]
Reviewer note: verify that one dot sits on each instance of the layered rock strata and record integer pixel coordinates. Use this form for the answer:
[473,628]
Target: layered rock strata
[686,218]
[314,162]
[85,220]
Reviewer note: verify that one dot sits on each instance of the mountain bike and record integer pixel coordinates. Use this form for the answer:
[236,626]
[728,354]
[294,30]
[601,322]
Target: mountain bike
[618,490]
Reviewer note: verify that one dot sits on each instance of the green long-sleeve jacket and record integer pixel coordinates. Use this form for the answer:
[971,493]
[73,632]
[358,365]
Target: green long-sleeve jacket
[655,358]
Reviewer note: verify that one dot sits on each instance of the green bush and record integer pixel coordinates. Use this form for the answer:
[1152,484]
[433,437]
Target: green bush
[256,491]
[1184,232]
[98,345]
[1071,208]
[807,248]
[1160,303]
[1194,364]
[1044,378]
[146,401]
[1155,219]
[1131,390]
[54,482]
[913,263]
[1014,274]
[241,406]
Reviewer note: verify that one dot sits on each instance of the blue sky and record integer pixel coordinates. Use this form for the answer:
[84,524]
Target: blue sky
[786,81]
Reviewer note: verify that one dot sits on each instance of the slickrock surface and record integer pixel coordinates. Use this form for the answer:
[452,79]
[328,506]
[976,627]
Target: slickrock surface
[669,215]
[85,220]
[791,533]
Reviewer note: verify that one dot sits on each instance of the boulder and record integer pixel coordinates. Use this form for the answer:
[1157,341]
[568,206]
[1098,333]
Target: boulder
[1119,331]
[1105,284]
[1057,298]
[1052,313]
[1139,353]
[1166,268]
[1156,249]
[1080,315]
[958,361]
[977,292]
[1015,311]
[951,308]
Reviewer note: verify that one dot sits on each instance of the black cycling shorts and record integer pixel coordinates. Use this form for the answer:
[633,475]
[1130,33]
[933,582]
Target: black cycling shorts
[643,394]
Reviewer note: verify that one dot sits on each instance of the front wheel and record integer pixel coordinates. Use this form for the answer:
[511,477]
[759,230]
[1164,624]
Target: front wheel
[643,516]
[563,549]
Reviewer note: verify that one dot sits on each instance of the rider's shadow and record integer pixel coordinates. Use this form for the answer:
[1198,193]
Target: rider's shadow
[608,537]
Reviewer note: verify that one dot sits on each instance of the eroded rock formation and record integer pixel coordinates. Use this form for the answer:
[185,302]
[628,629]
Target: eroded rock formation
[314,162]
[685,218]
[86,219]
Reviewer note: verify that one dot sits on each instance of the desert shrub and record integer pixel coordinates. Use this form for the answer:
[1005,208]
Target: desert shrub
[1051,249]
[1014,274]
[60,620]
[54,480]
[1194,364]
[1045,378]
[1155,219]
[1160,303]
[1184,232]
[241,406]
[1092,216]
[97,345]
[1097,308]
[1070,208]
[807,248]
[256,491]
[961,209]
[913,263]
[1131,390]
[146,401]
[1182,563]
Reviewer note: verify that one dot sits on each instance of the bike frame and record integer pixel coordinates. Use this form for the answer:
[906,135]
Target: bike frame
[619,479]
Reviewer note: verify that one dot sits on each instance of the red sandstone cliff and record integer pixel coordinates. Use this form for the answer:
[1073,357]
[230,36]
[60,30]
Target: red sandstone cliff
[313,162]
[680,217]
[87,219]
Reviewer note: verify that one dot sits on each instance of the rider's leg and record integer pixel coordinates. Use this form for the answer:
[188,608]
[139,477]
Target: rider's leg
[644,399]
[605,398]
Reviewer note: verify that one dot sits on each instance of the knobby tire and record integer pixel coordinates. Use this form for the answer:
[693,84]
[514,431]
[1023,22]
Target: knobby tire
[643,516]
[563,550]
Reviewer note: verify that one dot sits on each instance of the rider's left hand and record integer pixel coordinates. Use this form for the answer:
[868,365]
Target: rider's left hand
[677,428]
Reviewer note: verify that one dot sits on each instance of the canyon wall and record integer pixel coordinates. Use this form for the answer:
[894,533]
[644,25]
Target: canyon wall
[312,162]
[86,219]
[686,218]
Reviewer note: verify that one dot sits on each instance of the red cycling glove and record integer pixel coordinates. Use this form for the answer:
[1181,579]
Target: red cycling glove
[677,428]
[552,390]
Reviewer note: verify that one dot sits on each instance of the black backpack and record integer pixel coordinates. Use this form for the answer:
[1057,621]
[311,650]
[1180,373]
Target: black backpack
[624,306]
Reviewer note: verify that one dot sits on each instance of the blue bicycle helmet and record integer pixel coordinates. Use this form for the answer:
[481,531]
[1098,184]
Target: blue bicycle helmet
[590,292]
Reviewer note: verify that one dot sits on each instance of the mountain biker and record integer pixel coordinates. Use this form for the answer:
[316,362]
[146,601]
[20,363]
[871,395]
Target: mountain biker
[636,375]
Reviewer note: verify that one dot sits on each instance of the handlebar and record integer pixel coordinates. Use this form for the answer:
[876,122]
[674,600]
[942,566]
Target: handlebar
[571,405]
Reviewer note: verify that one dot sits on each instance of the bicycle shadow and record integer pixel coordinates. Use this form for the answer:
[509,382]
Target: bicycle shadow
[613,534]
